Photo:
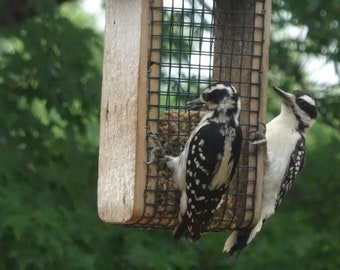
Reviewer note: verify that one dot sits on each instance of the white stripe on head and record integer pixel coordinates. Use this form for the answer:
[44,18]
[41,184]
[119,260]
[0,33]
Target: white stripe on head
[308,99]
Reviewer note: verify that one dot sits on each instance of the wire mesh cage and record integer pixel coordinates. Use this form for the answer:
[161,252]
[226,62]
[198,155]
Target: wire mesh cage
[194,44]
[186,46]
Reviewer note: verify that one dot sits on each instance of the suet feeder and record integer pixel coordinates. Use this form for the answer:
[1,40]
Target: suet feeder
[159,55]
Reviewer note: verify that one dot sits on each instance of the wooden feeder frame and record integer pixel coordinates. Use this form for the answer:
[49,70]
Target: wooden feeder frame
[134,193]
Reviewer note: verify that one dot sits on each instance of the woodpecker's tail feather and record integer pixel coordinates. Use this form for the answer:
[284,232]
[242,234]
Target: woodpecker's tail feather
[236,242]
[182,230]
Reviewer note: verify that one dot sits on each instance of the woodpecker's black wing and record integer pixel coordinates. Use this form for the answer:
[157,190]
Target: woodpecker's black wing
[212,158]
[295,166]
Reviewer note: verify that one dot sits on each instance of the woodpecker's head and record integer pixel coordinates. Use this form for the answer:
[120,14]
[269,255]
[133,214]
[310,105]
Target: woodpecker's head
[300,105]
[218,97]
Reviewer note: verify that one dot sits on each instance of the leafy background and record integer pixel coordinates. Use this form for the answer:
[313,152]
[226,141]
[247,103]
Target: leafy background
[50,80]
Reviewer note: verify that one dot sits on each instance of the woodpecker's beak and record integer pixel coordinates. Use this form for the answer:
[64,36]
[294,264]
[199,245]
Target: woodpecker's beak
[195,104]
[287,98]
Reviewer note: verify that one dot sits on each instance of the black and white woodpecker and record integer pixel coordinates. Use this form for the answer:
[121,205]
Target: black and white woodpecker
[285,143]
[208,161]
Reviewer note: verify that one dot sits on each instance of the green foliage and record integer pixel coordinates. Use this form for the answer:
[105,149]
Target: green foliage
[49,103]
[323,25]
[50,73]
[330,109]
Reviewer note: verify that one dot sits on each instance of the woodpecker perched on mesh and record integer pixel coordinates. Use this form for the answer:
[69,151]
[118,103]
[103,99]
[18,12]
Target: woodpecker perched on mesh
[285,143]
[208,162]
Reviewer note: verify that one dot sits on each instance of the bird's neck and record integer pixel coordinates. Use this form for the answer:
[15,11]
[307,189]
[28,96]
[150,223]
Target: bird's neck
[223,115]
[291,120]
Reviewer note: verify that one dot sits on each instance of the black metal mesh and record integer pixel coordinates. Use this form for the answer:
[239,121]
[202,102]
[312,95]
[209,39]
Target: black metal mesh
[194,44]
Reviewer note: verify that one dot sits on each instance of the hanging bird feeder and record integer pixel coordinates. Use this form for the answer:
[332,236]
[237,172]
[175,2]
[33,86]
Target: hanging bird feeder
[159,55]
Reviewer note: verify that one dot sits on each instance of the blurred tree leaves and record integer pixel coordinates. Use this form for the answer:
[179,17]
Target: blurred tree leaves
[50,74]
[322,23]
[13,12]
[49,108]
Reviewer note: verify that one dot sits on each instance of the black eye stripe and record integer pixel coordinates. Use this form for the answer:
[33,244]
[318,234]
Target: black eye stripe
[307,108]
[216,95]
[302,98]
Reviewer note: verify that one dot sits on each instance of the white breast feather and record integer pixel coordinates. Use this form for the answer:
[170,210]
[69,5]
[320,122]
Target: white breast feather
[278,148]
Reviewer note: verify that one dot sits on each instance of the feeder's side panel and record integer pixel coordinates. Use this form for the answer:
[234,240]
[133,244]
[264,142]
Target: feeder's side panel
[123,108]
[262,36]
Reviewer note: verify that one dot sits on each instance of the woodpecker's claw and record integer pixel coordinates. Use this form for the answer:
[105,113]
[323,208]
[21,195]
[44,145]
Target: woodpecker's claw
[259,141]
[155,139]
[258,137]
[158,152]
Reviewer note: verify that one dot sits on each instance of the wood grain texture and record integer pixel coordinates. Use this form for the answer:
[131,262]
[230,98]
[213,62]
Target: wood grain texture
[122,127]
[265,37]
